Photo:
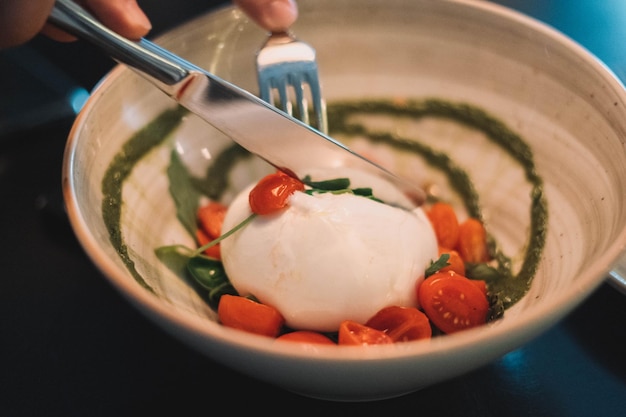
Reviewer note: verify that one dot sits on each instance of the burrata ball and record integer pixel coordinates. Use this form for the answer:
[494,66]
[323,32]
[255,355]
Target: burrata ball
[326,258]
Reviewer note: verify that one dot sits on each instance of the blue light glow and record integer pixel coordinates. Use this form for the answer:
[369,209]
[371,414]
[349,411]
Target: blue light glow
[77,98]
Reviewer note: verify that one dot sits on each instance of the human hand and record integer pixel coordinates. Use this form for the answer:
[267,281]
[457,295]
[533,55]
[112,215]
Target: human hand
[22,20]
[272,15]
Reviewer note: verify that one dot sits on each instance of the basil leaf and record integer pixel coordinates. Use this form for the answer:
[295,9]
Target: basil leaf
[210,275]
[328,185]
[174,257]
[365,192]
[185,195]
[442,262]
[482,272]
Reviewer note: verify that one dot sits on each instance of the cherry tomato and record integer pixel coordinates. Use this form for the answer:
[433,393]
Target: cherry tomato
[452,302]
[456,262]
[472,241]
[272,191]
[306,336]
[353,333]
[211,217]
[480,284]
[214,251]
[247,315]
[401,324]
[445,224]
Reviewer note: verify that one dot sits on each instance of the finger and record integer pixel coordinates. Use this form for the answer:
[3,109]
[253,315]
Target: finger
[21,20]
[57,34]
[273,15]
[122,16]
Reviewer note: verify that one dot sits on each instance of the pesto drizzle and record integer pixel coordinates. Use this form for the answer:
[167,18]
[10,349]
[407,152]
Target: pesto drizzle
[509,288]
[118,171]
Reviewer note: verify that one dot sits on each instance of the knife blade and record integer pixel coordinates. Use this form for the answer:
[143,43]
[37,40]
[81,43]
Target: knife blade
[281,140]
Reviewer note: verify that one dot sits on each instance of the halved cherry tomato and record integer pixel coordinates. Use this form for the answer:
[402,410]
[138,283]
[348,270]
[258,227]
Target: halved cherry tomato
[211,217]
[306,336]
[452,302]
[472,242]
[353,333]
[456,262]
[480,284]
[245,314]
[401,324]
[214,251]
[272,191]
[445,224]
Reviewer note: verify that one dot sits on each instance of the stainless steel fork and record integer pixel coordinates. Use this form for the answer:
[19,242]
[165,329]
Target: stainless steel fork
[288,79]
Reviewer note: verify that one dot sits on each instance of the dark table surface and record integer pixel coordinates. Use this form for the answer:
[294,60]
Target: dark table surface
[70,345]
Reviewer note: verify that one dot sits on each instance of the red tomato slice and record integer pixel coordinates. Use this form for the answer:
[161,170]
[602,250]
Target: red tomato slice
[480,284]
[353,333]
[247,315]
[214,251]
[211,217]
[306,336]
[445,224]
[453,302]
[272,191]
[402,324]
[472,241]
[456,262]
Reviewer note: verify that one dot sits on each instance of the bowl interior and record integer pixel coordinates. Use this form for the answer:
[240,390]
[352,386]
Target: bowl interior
[539,85]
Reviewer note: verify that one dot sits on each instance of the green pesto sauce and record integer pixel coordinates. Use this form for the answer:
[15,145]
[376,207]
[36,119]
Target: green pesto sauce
[508,287]
[118,171]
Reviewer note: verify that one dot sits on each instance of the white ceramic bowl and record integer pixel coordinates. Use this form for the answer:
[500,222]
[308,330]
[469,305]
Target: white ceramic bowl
[563,102]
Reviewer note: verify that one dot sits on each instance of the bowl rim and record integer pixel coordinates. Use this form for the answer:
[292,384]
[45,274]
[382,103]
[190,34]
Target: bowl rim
[190,326]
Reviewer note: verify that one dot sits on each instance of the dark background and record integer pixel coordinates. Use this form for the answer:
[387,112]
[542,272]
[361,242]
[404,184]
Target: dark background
[70,345]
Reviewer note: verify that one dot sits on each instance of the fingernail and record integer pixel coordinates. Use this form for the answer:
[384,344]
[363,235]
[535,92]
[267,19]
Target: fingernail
[138,17]
[283,14]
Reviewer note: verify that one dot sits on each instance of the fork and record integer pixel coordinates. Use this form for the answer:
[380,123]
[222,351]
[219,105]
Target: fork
[287,71]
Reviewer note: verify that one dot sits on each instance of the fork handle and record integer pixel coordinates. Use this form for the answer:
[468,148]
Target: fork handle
[142,55]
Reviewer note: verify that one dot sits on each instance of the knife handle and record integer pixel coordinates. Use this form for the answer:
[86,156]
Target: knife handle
[143,55]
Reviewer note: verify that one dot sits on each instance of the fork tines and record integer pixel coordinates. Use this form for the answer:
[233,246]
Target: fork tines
[288,76]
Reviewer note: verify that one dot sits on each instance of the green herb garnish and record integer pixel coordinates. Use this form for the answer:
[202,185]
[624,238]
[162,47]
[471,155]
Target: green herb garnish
[211,276]
[327,185]
[214,242]
[337,186]
[434,267]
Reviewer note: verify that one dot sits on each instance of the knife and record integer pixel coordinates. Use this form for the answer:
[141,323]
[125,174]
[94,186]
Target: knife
[281,140]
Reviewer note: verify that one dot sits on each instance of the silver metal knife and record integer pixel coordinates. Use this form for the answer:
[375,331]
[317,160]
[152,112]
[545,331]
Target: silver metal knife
[283,141]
